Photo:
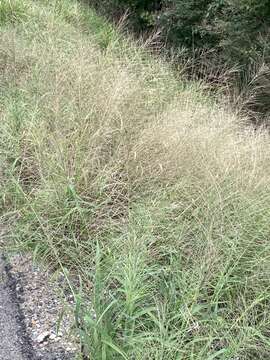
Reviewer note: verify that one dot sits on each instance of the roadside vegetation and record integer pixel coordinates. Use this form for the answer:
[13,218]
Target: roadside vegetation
[233,31]
[223,42]
[141,185]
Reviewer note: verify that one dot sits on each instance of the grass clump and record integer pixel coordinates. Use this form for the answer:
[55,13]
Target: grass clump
[12,11]
[155,196]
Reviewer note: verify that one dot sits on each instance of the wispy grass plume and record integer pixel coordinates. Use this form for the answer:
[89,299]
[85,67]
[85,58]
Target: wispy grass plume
[143,186]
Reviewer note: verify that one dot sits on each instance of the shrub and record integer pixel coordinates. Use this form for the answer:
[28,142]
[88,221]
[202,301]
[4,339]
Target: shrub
[216,35]
[235,29]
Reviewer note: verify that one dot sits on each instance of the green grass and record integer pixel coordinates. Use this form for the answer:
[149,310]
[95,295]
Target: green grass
[144,188]
[12,11]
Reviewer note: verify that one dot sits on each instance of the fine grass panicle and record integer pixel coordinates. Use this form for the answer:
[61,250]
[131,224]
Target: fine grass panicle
[147,189]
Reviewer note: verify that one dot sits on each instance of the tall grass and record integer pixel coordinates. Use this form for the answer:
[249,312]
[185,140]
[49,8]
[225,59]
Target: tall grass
[12,11]
[144,187]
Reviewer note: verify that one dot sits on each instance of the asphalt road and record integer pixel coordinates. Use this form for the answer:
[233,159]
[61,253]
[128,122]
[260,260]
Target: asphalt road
[14,344]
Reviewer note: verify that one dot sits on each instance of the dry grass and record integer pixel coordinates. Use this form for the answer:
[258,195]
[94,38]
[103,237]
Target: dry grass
[155,194]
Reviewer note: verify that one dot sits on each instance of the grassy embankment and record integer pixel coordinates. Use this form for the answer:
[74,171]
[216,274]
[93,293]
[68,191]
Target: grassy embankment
[155,195]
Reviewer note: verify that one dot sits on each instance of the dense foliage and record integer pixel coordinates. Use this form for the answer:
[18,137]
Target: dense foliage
[237,30]
[213,34]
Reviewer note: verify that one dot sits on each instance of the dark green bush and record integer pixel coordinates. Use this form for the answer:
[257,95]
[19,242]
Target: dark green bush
[215,34]
[141,11]
[236,30]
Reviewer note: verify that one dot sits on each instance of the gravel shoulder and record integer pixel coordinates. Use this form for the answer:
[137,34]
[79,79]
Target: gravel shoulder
[14,343]
[46,306]
[35,313]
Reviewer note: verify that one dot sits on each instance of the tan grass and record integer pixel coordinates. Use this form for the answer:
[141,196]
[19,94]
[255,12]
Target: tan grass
[112,165]
[96,115]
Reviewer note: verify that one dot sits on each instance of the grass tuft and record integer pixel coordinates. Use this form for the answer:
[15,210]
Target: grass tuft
[12,11]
